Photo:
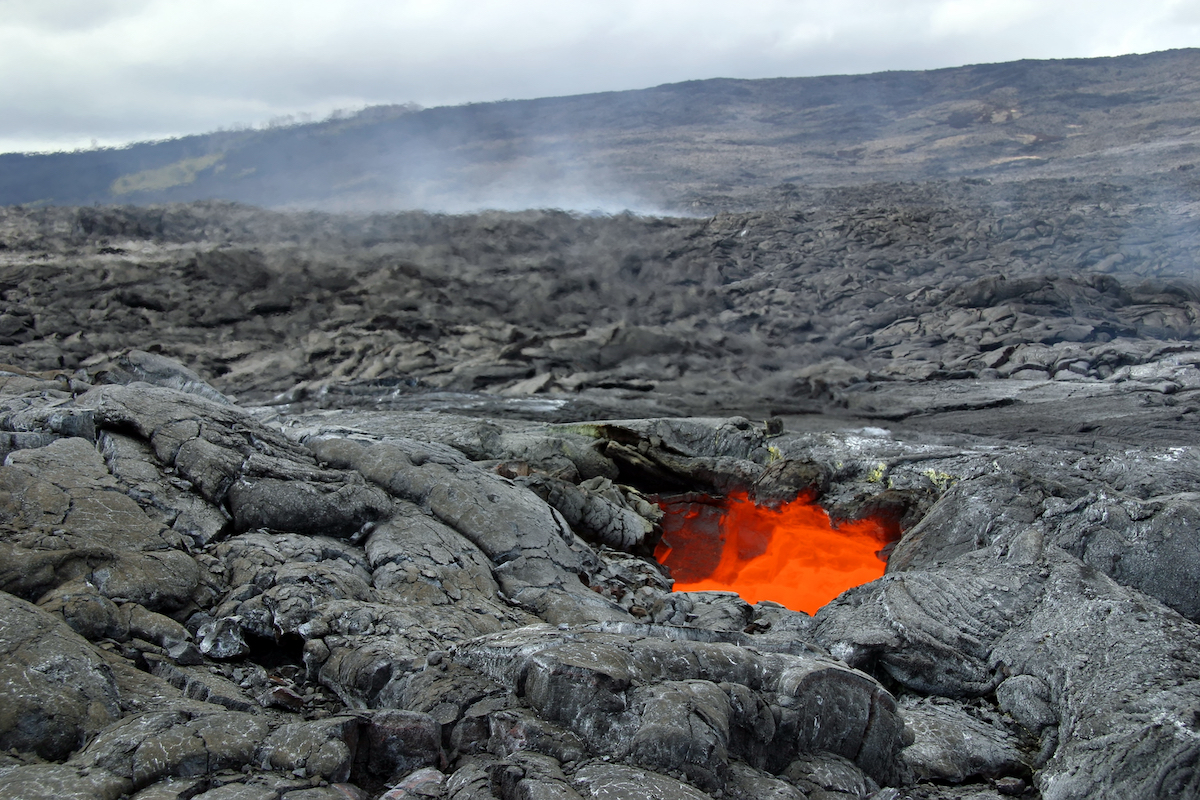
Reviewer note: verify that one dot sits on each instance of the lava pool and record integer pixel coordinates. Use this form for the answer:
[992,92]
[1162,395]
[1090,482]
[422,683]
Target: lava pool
[793,555]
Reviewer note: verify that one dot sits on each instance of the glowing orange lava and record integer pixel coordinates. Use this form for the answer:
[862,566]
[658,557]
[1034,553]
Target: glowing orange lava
[792,555]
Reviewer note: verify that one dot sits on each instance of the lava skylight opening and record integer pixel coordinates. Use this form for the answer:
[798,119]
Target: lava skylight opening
[793,555]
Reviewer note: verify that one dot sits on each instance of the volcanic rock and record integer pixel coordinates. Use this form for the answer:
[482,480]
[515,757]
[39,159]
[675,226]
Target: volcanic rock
[313,506]
[417,615]
[57,691]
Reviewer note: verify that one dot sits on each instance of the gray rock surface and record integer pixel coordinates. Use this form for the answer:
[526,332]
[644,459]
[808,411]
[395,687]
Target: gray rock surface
[424,568]
[57,691]
[691,706]
[809,301]
[951,744]
[413,635]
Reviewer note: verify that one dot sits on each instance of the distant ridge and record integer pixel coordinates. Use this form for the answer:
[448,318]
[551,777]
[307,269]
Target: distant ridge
[694,146]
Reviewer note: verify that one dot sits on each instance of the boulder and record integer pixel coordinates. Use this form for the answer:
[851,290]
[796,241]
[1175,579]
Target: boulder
[56,692]
[66,518]
[145,748]
[964,628]
[396,743]
[950,744]
[325,749]
[596,511]
[608,687]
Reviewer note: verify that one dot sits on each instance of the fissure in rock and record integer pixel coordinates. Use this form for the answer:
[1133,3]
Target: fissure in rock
[793,554]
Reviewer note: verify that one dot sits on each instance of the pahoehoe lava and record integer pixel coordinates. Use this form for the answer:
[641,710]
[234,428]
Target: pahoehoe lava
[308,505]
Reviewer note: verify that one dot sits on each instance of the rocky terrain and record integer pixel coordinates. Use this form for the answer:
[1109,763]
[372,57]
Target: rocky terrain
[388,535]
[851,297]
[311,506]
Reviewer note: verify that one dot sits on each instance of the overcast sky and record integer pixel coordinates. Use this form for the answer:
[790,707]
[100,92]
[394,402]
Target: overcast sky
[78,72]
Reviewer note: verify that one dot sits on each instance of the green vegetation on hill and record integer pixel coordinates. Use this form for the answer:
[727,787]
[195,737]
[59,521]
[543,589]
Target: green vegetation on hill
[178,174]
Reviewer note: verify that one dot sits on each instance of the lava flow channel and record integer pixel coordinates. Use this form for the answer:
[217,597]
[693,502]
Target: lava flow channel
[793,555]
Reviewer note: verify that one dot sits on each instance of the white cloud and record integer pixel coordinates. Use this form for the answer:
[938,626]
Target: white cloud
[67,15]
[968,17]
[117,70]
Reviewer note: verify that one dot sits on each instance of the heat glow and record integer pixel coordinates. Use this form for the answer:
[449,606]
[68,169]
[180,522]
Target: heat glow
[793,555]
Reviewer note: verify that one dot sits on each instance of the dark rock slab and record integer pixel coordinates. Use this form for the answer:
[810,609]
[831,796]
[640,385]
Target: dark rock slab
[147,747]
[305,507]
[67,518]
[605,781]
[396,743]
[57,692]
[425,562]
[953,745]
[323,748]
[538,560]
[608,688]
[1104,652]
[600,516]
[62,781]
[831,773]
[138,366]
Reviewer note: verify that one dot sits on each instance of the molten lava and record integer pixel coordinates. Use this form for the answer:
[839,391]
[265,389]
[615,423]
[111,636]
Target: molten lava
[793,555]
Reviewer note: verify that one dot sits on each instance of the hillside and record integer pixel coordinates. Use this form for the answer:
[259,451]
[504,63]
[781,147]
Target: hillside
[694,147]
